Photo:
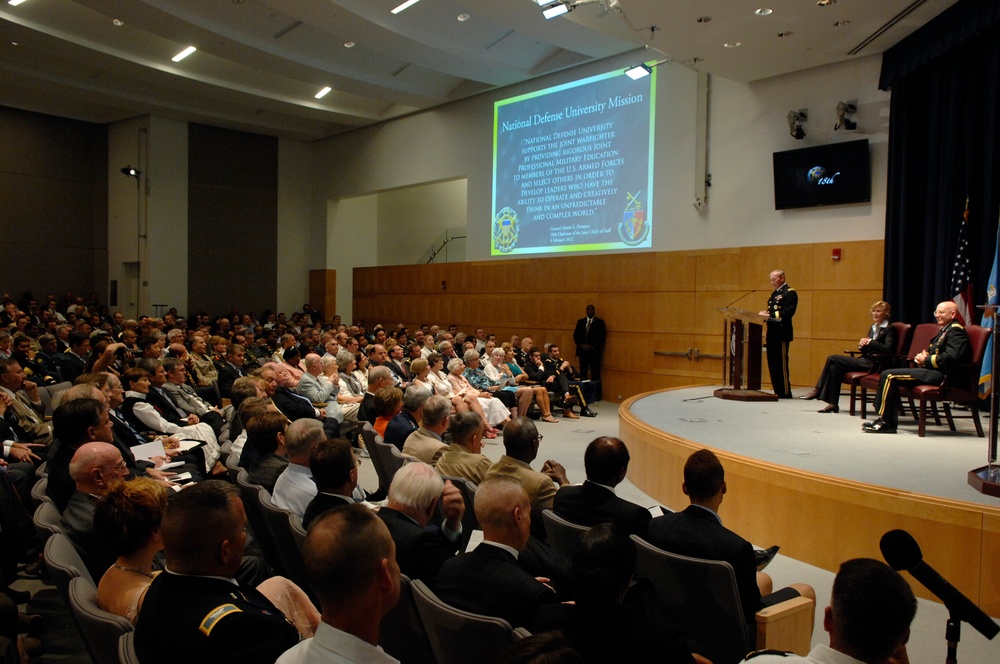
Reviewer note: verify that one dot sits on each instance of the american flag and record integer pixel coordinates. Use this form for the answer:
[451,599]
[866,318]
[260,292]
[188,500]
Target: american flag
[961,275]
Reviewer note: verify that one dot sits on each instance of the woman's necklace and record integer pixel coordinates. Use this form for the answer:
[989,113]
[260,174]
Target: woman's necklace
[133,570]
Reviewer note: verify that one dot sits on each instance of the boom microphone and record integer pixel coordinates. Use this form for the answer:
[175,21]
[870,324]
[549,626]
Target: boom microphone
[902,552]
[741,297]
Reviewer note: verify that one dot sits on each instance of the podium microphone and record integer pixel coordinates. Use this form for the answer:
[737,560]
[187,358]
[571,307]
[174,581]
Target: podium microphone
[902,552]
[741,297]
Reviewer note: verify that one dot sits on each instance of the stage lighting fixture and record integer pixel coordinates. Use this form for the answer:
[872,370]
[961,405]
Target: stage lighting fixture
[128,171]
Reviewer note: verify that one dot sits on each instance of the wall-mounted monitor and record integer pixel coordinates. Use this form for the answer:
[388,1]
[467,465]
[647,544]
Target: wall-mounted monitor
[832,174]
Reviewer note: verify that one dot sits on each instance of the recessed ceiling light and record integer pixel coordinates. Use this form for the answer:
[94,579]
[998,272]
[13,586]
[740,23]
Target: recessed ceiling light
[840,24]
[463,17]
[324,92]
[14,44]
[406,5]
[349,44]
[704,19]
[117,22]
[764,11]
[786,33]
[183,54]
[14,3]
[733,44]
[826,3]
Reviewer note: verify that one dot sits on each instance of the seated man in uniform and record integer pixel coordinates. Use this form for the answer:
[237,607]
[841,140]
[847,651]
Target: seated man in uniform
[195,609]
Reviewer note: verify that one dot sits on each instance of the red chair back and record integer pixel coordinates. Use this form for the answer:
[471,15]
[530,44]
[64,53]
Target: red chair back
[921,339]
[903,333]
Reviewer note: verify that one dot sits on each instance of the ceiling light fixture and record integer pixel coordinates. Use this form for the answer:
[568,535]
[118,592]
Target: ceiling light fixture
[183,54]
[14,3]
[558,9]
[733,44]
[349,44]
[117,22]
[764,11]
[463,18]
[825,3]
[324,92]
[406,5]
[128,171]
[638,71]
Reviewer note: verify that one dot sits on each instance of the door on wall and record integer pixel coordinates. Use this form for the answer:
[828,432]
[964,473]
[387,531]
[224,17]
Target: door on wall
[128,294]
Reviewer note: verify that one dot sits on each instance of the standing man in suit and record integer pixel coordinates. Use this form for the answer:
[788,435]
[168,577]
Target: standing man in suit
[780,309]
[698,532]
[947,354]
[589,336]
[606,462]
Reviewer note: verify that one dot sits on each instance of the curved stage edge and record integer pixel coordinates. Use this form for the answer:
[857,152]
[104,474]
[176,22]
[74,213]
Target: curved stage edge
[823,520]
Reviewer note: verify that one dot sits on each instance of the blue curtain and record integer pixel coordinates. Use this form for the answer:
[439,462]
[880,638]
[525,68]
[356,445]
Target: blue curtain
[944,147]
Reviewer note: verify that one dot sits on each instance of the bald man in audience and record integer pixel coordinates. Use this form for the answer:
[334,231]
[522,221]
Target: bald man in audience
[606,462]
[464,457]
[351,565]
[427,443]
[378,377]
[415,494]
[313,386]
[489,580]
[195,609]
[521,441]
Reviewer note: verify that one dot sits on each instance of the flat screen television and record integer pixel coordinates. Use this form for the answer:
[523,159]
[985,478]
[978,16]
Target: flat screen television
[822,175]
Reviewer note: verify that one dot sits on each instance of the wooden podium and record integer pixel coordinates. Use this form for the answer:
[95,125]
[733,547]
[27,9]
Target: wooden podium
[742,341]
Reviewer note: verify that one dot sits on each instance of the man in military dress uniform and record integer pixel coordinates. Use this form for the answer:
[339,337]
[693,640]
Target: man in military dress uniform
[947,354]
[195,610]
[780,309]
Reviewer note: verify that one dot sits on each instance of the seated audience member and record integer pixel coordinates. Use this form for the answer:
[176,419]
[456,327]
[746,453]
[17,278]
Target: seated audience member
[196,607]
[77,421]
[295,406]
[544,648]
[205,371]
[408,420]
[477,378]
[489,580]
[388,404]
[144,416]
[351,393]
[698,532]
[295,488]
[414,496]
[947,354]
[606,462]
[598,625]
[266,435]
[25,411]
[127,519]
[426,443]
[351,565]
[437,382]
[585,390]
[880,340]
[185,397]
[494,412]
[868,619]
[230,369]
[398,366]
[288,370]
[95,468]
[501,363]
[378,377]
[249,408]
[312,385]
[464,458]
[73,361]
[521,441]
[335,470]
[244,388]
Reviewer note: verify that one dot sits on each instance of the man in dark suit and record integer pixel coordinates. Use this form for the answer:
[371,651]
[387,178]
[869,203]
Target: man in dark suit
[73,362]
[698,532]
[948,354]
[489,580]
[606,461]
[780,309]
[880,340]
[589,337]
[295,406]
[408,420]
[195,606]
[414,496]
[335,471]
[231,369]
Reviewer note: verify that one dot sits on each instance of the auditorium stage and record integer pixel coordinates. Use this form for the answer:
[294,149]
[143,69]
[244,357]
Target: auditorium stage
[819,485]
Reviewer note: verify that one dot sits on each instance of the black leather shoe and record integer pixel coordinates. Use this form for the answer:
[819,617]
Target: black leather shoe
[832,408]
[765,556]
[586,412]
[878,426]
[811,394]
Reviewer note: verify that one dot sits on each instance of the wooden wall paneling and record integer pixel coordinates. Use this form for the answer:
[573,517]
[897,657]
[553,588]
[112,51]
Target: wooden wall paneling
[859,268]
[989,598]
[841,314]
[672,364]
[756,264]
[675,271]
[323,291]
[718,272]
[675,312]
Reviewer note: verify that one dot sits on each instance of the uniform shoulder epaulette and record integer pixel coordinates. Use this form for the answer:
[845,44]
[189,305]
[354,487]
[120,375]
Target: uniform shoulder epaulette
[213,617]
[779,653]
[958,325]
[790,288]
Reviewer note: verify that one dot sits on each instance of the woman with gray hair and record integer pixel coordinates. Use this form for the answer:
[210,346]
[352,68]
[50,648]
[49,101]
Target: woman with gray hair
[498,367]
[351,392]
[495,412]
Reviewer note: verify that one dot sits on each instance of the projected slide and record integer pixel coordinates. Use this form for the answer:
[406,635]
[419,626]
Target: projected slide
[573,167]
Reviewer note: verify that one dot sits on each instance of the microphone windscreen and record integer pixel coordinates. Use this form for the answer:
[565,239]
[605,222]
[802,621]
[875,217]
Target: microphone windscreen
[900,550]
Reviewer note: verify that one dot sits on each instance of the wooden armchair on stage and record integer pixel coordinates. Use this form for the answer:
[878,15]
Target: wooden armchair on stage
[879,362]
[700,597]
[741,344]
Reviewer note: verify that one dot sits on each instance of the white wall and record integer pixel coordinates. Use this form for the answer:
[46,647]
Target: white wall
[411,219]
[352,241]
[746,124]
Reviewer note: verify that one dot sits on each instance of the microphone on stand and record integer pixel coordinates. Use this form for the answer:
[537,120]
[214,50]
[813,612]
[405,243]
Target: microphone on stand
[741,297]
[902,552]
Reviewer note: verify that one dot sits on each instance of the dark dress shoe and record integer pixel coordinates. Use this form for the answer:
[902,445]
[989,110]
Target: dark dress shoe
[811,394]
[832,408]
[878,426]
[586,412]
[765,556]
